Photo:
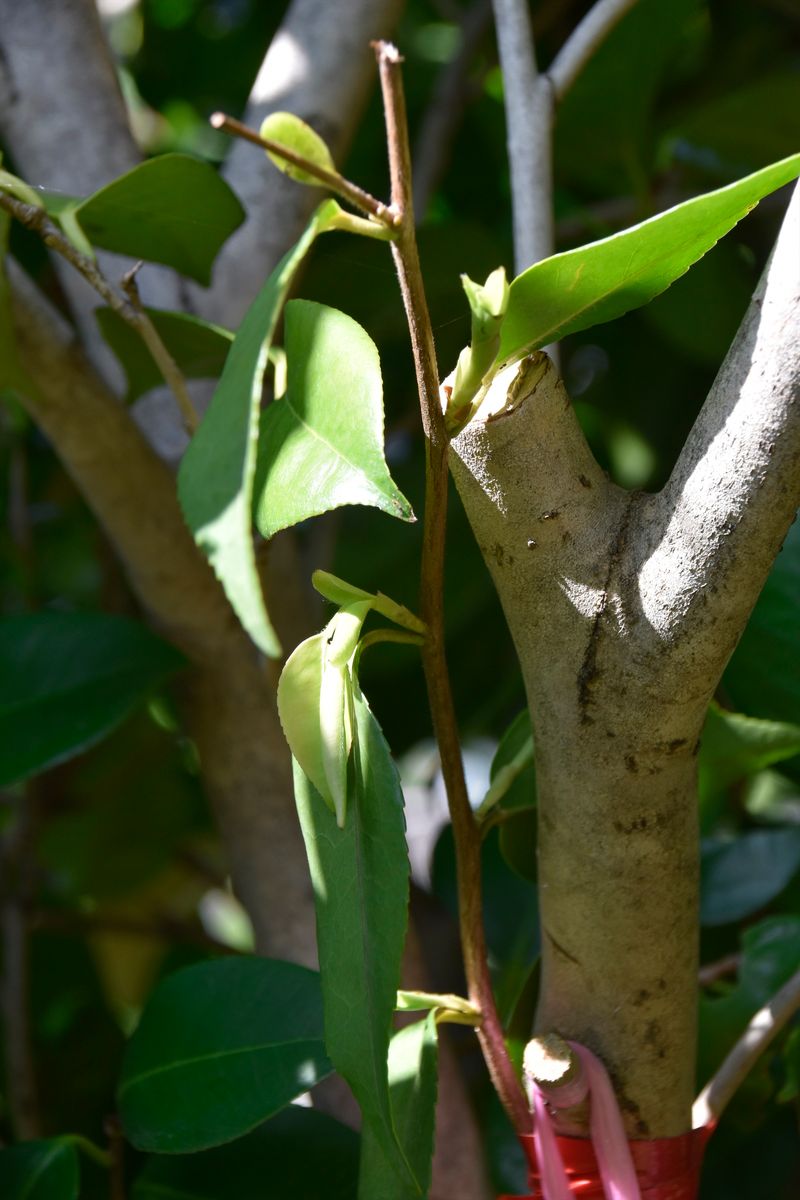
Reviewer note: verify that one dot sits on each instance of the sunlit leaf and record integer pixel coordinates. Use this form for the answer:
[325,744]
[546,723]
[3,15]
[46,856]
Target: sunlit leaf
[413,1062]
[296,135]
[199,348]
[172,209]
[328,429]
[221,1046]
[360,878]
[66,679]
[215,481]
[601,281]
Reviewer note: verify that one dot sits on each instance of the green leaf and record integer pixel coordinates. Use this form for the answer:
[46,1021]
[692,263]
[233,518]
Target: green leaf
[422,1001]
[298,1155]
[413,1080]
[66,679]
[360,879]
[215,481]
[739,877]
[601,281]
[513,774]
[221,1046]
[328,428]
[173,209]
[290,131]
[770,956]
[43,1170]
[199,348]
[734,746]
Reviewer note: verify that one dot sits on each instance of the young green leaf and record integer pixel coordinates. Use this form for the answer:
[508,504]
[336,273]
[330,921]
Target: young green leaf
[215,481]
[172,209]
[360,877]
[221,1046]
[513,774]
[66,679]
[601,281]
[290,131]
[413,1065]
[199,348]
[315,704]
[299,1154]
[328,428]
[41,1170]
[440,1002]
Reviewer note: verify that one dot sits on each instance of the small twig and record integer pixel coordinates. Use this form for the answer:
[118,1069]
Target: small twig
[720,969]
[762,1029]
[161,355]
[529,123]
[116,1149]
[37,220]
[331,179]
[452,93]
[465,829]
[583,41]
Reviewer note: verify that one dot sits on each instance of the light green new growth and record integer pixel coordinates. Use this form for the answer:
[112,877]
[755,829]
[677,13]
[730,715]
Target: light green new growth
[488,303]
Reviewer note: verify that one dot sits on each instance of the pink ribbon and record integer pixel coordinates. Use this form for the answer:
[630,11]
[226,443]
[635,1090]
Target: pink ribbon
[611,1148]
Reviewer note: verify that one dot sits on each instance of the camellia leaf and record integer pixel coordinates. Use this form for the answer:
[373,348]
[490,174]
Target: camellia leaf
[734,746]
[41,1170]
[360,877]
[199,348]
[328,429]
[221,1046]
[512,774]
[299,1154]
[215,481]
[172,209]
[739,877]
[601,281]
[413,1080]
[296,135]
[66,679]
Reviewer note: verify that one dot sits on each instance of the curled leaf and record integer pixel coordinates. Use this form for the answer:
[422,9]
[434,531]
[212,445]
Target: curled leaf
[288,130]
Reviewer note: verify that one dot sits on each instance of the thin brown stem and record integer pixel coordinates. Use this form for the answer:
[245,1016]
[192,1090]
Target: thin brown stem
[161,355]
[37,220]
[332,180]
[465,829]
[116,1151]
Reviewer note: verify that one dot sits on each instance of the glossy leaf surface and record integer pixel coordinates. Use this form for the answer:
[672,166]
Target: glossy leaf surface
[172,209]
[739,877]
[199,348]
[41,1170]
[360,878]
[66,679]
[298,1154]
[221,1046]
[215,481]
[601,281]
[321,445]
[413,1084]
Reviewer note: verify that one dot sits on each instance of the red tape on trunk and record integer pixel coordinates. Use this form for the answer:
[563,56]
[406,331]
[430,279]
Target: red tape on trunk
[667,1168]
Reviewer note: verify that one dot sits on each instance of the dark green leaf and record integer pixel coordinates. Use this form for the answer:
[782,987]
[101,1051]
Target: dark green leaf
[513,774]
[360,878]
[328,429]
[770,956]
[66,679]
[173,209]
[221,1046]
[601,281]
[199,349]
[215,482]
[734,746]
[739,877]
[413,1079]
[298,1155]
[45,1170]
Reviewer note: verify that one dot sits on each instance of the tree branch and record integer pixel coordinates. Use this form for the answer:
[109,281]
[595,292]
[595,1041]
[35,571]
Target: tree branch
[708,540]
[761,1031]
[318,67]
[529,122]
[583,41]
[465,828]
[228,700]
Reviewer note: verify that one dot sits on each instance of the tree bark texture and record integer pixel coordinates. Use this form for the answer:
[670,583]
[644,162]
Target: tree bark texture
[624,609]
